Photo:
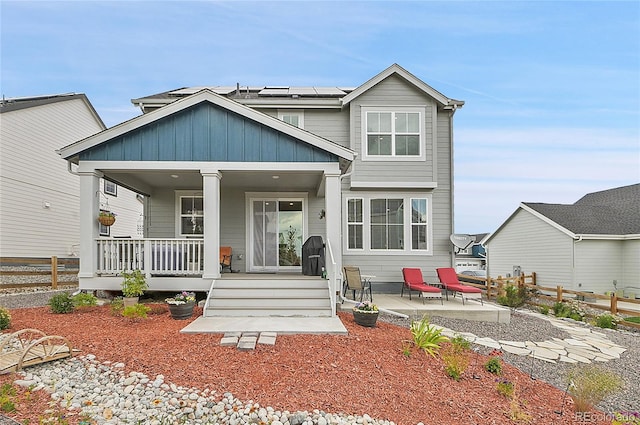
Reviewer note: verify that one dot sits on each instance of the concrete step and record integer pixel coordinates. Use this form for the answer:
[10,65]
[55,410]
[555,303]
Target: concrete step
[265,311]
[282,293]
[270,283]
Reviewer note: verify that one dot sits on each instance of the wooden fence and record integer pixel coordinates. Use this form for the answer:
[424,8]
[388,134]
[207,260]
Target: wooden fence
[53,267]
[495,288]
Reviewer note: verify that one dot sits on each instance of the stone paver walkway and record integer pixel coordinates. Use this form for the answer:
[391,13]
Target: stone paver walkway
[247,341]
[584,345]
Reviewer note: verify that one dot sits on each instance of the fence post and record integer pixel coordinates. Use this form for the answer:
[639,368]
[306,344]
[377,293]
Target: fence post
[488,288]
[614,303]
[54,272]
[533,278]
[559,293]
[500,286]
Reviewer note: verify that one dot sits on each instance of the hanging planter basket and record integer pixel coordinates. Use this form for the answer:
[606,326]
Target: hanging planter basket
[106,220]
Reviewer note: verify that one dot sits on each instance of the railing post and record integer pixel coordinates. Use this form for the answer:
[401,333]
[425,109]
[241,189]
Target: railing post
[614,303]
[147,258]
[559,293]
[54,272]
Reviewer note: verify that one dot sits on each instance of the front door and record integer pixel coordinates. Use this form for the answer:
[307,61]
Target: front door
[276,234]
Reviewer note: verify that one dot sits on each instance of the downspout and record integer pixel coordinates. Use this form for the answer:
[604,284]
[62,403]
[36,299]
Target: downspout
[451,174]
[573,261]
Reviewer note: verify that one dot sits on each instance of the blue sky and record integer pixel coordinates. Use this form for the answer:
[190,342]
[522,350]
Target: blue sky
[552,89]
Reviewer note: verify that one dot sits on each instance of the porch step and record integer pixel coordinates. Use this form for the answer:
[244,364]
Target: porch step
[264,297]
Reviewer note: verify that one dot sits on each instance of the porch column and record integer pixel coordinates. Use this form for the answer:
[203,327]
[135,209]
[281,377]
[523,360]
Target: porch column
[90,197]
[333,219]
[211,198]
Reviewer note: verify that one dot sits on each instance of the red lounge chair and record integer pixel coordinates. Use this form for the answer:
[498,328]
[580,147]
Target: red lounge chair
[449,279]
[413,281]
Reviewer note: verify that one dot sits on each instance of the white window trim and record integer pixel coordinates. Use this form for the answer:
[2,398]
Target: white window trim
[393,157]
[178,212]
[366,211]
[298,113]
[359,223]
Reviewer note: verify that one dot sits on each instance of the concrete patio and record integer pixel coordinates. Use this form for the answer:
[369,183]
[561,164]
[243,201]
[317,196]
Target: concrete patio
[392,303]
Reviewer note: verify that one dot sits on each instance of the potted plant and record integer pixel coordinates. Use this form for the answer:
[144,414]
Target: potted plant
[107,218]
[365,313]
[181,305]
[133,286]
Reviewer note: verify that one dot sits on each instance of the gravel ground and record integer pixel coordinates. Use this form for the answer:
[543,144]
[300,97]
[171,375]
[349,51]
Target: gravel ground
[524,327]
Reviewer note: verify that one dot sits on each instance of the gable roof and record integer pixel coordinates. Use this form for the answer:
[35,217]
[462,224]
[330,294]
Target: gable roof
[400,71]
[17,103]
[613,212]
[72,152]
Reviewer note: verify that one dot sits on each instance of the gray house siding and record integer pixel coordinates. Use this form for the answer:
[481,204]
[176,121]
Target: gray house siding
[535,246]
[206,132]
[631,268]
[393,92]
[597,264]
[331,124]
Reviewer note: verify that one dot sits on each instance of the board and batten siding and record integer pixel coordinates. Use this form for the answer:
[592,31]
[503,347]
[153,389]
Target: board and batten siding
[597,264]
[535,246]
[39,198]
[394,92]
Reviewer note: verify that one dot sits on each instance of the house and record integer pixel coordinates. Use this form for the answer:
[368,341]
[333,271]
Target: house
[474,256]
[39,195]
[261,169]
[591,245]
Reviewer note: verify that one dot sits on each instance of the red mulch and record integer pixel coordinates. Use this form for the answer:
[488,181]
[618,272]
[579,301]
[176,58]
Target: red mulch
[365,371]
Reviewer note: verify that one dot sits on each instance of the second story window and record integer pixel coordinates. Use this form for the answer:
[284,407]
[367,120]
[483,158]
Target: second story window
[295,118]
[393,133]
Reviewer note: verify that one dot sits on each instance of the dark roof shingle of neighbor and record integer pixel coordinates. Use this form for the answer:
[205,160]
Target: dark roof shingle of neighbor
[609,212]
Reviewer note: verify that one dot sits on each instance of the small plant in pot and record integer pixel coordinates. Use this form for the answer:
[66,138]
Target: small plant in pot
[133,286]
[181,305]
[365,314]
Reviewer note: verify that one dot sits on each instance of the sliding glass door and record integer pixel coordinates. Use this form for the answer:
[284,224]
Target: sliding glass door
[276,234]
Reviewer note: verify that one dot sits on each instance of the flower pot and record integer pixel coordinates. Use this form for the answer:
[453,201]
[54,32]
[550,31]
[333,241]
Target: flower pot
[130,301]
[106,220]
[365,318]
[181,311]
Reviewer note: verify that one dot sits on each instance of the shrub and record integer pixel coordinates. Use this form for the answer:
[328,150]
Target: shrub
[7,393]
[590,384]
[572,309]
[5,319]
[426,336]
[607,321]
[505,387]
[84,299]
[117,305]
[460,342]
[61,303]
[134,283]
[515,296]
[544,310]
[137,311]
[456,360]
[493,365]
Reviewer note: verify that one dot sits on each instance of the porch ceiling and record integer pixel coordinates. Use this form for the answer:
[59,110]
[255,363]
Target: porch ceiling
[286,181]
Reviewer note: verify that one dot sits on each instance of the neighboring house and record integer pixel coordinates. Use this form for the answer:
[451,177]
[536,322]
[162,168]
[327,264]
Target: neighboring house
[261,169]
[39,197]
[474,256]
[591,245]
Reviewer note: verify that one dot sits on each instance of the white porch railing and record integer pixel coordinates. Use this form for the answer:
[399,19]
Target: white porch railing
[151,256]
